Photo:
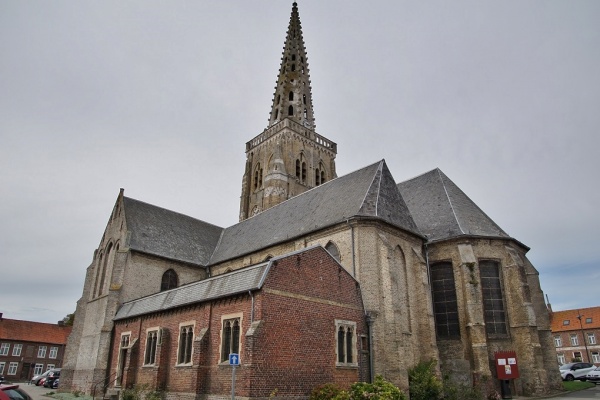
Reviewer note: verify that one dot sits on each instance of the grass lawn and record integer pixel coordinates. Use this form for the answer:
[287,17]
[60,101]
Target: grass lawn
[577,385]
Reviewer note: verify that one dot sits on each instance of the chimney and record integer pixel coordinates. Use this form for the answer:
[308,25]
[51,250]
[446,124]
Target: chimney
[1,316]
[61,323]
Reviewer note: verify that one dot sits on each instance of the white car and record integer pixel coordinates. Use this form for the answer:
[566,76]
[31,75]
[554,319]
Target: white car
[594,376]
[578,370]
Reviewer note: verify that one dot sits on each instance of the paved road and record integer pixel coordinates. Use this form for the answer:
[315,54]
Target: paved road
[39,392]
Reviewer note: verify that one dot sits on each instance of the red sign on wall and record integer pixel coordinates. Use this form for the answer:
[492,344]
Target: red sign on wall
[506,364]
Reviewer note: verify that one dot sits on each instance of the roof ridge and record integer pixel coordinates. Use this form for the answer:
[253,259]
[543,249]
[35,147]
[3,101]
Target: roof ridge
[450,201]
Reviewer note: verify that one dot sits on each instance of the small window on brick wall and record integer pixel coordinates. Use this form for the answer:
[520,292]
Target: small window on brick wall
[230,338]
[151,344]
[186,338]
[345,343]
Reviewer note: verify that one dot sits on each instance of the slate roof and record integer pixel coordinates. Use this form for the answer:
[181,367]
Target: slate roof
[165,233]
[240,281]
[442,211]
[368,192]
[558,318]
[29,331]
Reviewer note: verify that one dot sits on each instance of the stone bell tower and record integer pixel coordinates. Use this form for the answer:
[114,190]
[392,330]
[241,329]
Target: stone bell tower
[289,156]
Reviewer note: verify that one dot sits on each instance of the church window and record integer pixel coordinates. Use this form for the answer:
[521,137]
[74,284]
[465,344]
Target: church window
[291,96]
[290,110]
[123,347]
[186,338]
[445,306]
[278,99]
[169,280]
[293,57]
[333,250]
[276,113]
[303,171]
[293,67]
[302,59]
[317,177]
[303,99]
[230,338]
[346,343]
[258,172]
[305,113]
[298,169]
[151,344]
[493,302]
[322,176]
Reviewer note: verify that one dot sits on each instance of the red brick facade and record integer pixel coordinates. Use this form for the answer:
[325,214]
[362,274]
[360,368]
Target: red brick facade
[283,347]
[576,335]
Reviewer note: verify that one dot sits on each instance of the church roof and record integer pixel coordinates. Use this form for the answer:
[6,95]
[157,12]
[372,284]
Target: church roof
[240,281]
[368,192]
[165,233]
[442,211]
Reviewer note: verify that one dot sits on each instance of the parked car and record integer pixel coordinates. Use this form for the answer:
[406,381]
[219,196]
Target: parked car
[594,376]
[578,370]
[52,376]
[13,392]
[37,378]
[55,384]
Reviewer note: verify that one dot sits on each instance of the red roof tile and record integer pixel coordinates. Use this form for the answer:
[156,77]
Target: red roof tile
[559,317]
[28,331]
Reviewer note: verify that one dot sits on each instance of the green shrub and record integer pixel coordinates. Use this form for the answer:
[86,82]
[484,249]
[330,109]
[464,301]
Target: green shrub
[327,391]
[423,383]
[378,390]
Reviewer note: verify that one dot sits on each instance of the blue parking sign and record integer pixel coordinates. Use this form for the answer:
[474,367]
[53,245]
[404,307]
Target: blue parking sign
[234,359]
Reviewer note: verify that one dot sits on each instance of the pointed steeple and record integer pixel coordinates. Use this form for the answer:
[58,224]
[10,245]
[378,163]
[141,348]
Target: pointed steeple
[293,98]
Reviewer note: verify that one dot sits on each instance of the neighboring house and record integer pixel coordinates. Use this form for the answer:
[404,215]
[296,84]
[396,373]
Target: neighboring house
[29,348]
[576,335]
[324,279]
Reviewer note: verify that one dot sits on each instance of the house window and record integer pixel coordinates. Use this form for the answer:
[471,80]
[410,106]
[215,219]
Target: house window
[151,343]
[557,341]
[2,364]
[230,338]
[577,356]
[574,340]
[561,359]
[591,338]
[588,320]
[53,352]
[39,368]
[49,367]
[12,368]
[17,349]
[169,280]
[41,352]
[345,343]
[566,322]
[595,357]
[186,338]
[493,302]
[445,307]
[4,349]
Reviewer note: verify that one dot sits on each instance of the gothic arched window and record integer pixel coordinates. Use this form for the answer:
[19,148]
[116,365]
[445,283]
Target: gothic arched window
[333,250]
[169,280]
[291,96]
[291,110]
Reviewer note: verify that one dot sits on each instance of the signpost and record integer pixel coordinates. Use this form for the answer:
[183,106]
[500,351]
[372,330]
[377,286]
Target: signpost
[234,361]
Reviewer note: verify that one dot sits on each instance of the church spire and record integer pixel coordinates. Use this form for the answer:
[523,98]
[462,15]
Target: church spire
[292,98]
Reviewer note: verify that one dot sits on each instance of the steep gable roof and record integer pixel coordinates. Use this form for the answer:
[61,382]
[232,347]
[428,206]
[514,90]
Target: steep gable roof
[368,192]
[29,331]
[168,234]
[442,211]
[558,319]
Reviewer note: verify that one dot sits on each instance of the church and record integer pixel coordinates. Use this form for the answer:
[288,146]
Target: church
[325,279]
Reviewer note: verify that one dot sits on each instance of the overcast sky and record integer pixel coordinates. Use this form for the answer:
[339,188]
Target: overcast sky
[159,98]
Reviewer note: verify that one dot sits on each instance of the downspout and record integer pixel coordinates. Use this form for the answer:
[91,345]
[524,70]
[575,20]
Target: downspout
[371,363]
[252,309]
[353,249]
